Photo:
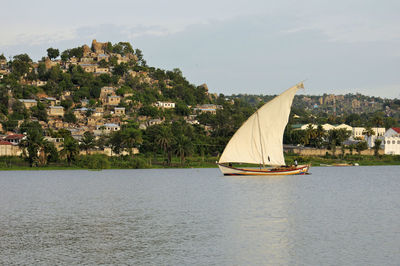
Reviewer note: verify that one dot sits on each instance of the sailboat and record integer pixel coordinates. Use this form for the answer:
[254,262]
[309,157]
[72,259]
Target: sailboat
[259,141]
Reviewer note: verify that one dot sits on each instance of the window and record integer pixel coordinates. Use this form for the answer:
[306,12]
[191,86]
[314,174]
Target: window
[398,142]
[393,142]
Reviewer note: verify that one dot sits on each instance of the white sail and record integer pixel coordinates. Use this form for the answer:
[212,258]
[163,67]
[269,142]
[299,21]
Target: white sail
[260,139]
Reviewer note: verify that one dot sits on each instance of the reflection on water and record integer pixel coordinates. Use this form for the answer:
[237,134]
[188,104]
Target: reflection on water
[336,216]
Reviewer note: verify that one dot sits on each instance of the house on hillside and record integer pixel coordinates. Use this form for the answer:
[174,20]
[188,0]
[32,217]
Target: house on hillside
[106,91]
[15,139]
[207,108]
[165,105]
[119,110]
[106,129]
[111,100]
[28,103]
[55,111]
[8,149]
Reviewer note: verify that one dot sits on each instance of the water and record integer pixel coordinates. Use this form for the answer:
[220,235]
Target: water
[336,216]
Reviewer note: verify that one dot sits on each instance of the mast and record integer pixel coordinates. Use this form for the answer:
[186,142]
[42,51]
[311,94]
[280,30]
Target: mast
[261,144]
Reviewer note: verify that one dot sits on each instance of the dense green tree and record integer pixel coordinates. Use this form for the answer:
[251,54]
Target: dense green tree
[182,146]
[87,142]
[131,138]
[20,64]
[335,137]
[377,146]
[164,140]
[40,112]
[182,109]
[53,53]
[69,117]
[361,146]
[116,142]
[120,69]
[368,131]
[148,110]
[33,143]
[70,149]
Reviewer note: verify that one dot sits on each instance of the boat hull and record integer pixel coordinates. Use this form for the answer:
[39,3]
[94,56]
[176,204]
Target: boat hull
[235,171]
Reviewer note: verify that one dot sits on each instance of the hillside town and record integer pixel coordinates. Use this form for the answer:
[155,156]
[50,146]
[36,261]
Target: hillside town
[103,91]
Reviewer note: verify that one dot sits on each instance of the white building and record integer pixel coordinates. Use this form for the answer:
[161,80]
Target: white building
[106,129]
[391,141]
[328,127]
[379,131]
[166,105]
[344,126]
[357,132]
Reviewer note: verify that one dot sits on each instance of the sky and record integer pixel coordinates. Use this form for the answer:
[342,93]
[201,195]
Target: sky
[241,46]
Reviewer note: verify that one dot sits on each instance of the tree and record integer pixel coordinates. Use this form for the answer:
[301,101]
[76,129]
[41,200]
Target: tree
[69,117]
[319,136]
[120,69]
[87,141]
[335,137]
[131,138]
[50,152]
[20,64]
[368,131]
[361,146]
[33,143]
[377,120]
[182,109]
[182,146]
[377,146]
[70,149]
[164,140]
[116,142]
[139,56]
[53,53]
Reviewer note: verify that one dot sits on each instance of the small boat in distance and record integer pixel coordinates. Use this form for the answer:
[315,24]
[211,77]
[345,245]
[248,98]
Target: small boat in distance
[259,141]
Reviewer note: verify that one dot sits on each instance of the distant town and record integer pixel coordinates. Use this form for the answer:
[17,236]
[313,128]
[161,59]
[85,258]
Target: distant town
[105,100]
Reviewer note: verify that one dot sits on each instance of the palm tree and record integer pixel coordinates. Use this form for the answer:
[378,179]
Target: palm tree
[377,146]
[87,141]
[336,137]
[183,146]
[362,145]
[131,138]
[377,120]
[164,140]
[332,138]
[368,131]
[115,141]
[32,144]
[320,135]
[70,149]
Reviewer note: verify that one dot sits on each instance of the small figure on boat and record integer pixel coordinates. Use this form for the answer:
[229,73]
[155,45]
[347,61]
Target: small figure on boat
[295,163]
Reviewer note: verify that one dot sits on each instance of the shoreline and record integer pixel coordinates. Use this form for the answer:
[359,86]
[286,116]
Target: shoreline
[93,163]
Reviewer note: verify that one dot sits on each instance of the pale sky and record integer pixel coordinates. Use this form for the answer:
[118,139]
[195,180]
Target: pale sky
[241,46]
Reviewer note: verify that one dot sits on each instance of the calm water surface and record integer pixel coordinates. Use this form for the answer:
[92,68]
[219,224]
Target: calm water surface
[336,216]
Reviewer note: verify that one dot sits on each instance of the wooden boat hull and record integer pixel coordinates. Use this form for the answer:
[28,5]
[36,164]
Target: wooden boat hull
[230,170]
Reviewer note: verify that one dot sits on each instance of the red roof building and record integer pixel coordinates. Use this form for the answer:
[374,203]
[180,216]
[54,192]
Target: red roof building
[397,129]
[14,138]
[3,142]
